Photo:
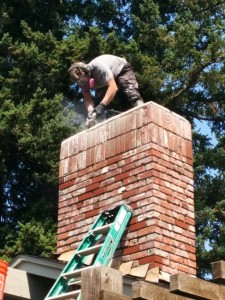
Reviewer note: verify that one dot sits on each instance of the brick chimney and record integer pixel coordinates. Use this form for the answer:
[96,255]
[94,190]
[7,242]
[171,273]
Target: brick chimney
[142,158]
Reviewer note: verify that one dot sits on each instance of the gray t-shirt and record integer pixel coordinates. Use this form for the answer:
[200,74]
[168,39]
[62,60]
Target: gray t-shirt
[104,68]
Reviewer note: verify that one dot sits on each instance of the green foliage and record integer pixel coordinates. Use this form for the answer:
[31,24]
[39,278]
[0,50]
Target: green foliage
[40,15]
[210,208]
[34,119]
[36,238]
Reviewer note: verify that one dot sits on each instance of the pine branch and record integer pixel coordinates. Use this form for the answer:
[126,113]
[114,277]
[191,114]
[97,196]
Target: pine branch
[209,8]
[193,77]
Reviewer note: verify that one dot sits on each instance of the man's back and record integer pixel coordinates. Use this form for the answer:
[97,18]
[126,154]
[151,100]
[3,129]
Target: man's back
[106,67]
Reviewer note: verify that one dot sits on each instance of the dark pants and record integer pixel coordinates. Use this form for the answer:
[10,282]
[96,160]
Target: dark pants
[127,82]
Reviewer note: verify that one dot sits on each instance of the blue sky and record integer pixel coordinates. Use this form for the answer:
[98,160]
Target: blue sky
[205,129]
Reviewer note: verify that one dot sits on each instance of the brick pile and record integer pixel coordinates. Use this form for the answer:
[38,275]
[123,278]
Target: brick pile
[142,158]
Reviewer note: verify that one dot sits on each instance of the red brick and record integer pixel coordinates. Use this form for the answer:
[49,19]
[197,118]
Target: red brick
[127,141]
[157,265]
[145,231]
[137,226]
[85,196]
[133,139]
[79,205]
[128,194]
[112,147]
[190,249]
[122,143]
[133,205]
[131,250]
[99,178]
[62,249]
[83,172]
[138,255]
[130,119]
[122,176]
[92,187]
[133,220]
[91,213]
[117,146]
[150,259]
[113,173]
[73,165]
[99,191]
[120,126]
[139,118]
[66,185]
[113,186]
[190,221]
[138,170]
[147,245]
[129,180]
[182,224]
[167,219]
[111,129]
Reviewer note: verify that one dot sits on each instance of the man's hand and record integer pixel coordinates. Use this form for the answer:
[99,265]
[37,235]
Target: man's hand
[90,123]
[90,114]
[98,114]
[91,119]
[99,110]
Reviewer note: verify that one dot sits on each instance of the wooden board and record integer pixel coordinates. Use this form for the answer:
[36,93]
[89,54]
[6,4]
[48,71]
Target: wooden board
[100,278]
[197,288]
[107,295]
[125,268]
[218,271]
[139,271]
[143,290]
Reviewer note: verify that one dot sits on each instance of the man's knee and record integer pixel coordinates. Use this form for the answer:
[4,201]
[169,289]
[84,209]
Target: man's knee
[133,96]
[137,103]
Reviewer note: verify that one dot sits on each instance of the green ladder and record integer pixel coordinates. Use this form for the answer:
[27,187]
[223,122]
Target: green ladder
[99,244]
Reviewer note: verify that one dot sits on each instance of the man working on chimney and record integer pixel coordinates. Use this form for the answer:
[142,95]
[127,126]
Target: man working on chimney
[104,74]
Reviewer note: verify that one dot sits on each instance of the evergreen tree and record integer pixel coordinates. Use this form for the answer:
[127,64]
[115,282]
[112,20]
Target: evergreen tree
[36,238]
[34,119]
[40,15]
[177,51]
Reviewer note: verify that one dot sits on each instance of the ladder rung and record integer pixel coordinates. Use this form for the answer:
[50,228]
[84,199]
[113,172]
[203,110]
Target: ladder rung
[90,250]
[74,274]
[65,295]
[76,283]
[102,229]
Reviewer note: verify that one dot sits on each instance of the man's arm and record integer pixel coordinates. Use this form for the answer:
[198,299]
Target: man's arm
[89,104]
[110,93]
[88,100]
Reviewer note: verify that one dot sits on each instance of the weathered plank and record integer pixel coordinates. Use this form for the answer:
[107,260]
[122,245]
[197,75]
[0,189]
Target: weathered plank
[197,288]
[164,276]
[153,275]
[100,278]
[108,295]
[218,271]
[125,268]
[139,271]
[143,290]
[156,275]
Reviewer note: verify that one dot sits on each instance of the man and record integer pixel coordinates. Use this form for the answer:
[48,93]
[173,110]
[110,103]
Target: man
[105,74]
